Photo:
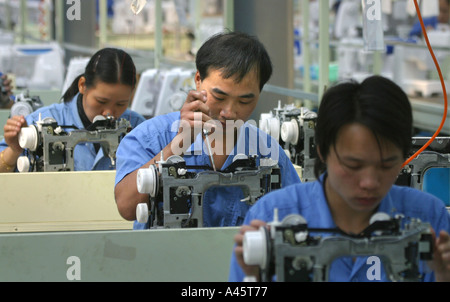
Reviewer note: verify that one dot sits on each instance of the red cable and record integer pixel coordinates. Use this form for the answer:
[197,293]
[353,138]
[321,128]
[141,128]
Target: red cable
[443,88]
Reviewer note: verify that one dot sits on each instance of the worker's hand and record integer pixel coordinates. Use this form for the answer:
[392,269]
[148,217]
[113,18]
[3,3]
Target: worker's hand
[11,132]
[441,256]
[193,116]
[249,270]
[194,112]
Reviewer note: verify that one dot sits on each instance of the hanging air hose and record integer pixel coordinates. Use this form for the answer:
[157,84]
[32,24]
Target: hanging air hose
[443,88]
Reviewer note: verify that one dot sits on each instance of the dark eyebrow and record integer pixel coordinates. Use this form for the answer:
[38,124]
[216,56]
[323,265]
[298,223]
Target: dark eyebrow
[102,98]
[246,96]
[107,100]
[390,159]
[384,160]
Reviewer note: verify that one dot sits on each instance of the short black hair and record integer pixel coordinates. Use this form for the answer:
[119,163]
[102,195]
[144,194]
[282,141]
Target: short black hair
[236,54]
[377,103]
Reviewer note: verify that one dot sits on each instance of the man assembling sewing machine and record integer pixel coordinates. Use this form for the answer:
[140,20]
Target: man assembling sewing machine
[232,69]
[363,136]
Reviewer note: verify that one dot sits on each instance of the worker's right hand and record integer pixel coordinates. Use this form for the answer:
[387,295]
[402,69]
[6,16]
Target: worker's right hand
[193,115]
[249,270]
[12,130]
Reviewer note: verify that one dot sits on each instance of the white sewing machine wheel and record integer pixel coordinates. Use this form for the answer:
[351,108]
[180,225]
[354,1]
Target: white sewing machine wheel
[240,156]
[264,122]
[48,120]
[98,118]
[23,164]
[380,216]
[296,219]
[274,124]
[290,132]
[147,182]
[28,138]
[21,108]
[293,219]
[174,159]
[255,248]
[142,213]
[270,125]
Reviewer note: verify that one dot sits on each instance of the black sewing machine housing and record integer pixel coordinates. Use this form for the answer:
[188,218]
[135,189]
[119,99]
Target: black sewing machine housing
[436,155]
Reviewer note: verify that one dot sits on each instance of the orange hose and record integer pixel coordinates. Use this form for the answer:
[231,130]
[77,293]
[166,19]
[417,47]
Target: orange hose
[443,88]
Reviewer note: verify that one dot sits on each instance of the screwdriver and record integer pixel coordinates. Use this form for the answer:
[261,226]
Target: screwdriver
[206,133]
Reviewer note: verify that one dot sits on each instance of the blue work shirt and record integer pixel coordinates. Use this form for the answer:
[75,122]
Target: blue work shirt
[416,29]
[66,114]
[221,205]
[308,200]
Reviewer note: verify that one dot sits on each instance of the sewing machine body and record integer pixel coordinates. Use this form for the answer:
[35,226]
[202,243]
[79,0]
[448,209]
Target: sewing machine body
[51,147]
[181,191]
[294,129]
[291,253]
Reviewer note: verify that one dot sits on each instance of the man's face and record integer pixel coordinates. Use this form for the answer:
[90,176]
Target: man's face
[360,171]
[227,99]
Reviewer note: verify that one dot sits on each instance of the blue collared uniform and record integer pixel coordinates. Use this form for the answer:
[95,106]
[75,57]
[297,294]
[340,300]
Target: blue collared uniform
[221,205]
[66,114]
[308,200]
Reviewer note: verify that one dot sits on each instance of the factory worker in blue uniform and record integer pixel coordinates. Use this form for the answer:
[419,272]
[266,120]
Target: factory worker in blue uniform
[105,88]
[363,136]
[438,22]
[232,69]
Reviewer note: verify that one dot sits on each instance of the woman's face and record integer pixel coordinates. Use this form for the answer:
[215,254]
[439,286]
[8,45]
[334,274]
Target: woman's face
[360,170]
[105,99]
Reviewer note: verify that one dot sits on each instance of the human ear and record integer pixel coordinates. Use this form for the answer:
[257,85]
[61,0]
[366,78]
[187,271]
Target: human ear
[198,80]
[82,85]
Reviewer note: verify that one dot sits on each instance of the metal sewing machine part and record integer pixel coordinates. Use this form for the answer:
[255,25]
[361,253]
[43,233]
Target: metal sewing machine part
[289,251]
[180,189]
[51,146]
[26,104]
[294,129]
[426,171]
